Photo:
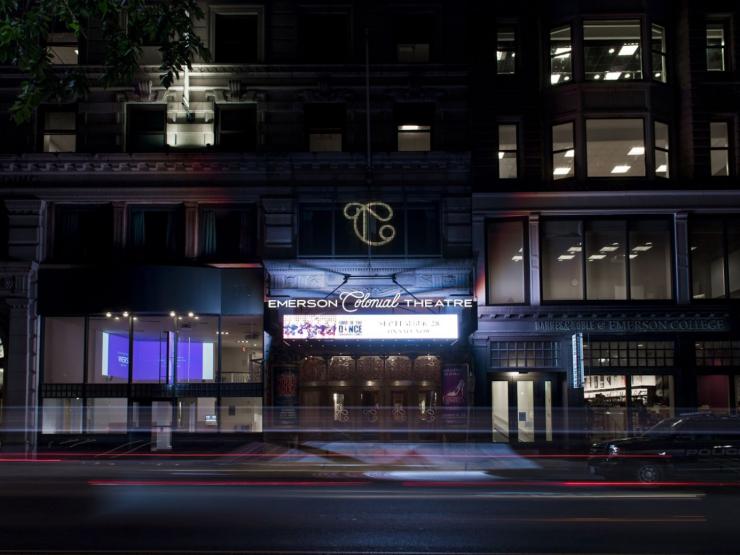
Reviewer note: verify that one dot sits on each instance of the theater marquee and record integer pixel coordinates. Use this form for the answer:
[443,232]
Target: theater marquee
[370,326]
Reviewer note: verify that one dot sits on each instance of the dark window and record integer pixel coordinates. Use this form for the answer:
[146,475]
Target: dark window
[237,38]
[237,127]
[506,46]
[369,228]
[82,233]
[414,38]
[506,260]
[715,257]
[659,52]
[524,354]
[603,253]
[414,127]
[147,128]
[628,354]
[325,126]
[717,353]
[156,234]
[14,138]
[326,37]
[228,234]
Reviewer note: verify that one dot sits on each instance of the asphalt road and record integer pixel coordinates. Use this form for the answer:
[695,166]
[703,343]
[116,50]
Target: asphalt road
[78,509]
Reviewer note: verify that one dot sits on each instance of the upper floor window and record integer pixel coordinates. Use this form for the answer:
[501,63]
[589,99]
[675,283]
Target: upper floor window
[506,262]
[609,259]
[62,45]
[563,151]
[716,45]
[506,47]
[369,228]
[615,147]
[715,257]
[662,150]
[561,55]
[612,50]
[508,160]
[82,233]
[235,35]
[237,127]
[146,127]
[326,37]
[414,38]
[414,127]
[228,233]
[325,126]
[659,53]
[156,233]
[59,133]
[719,147]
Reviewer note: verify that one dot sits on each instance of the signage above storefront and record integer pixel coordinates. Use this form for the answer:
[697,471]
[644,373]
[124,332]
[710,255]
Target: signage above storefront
[354,301]
[370,326]
[633,325]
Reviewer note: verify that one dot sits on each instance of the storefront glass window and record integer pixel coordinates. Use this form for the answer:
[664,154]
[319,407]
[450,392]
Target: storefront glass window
[651,400]
[625,354]
[606,275]
[64,344]
[524,354]
[606,405]
[615,147]
[612,50]
[562,261]
[107,415]
[197,350]
[717,353]
[506,262]
[108,350]
[241,414]
[707,259]
[61,416]
[241,349]
[713,393]
[196,414]
[154,349]
[650,260]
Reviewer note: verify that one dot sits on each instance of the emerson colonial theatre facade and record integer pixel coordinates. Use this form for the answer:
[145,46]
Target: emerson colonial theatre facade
[537,237]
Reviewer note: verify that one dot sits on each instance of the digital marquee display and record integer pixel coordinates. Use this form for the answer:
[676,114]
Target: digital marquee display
[370,326]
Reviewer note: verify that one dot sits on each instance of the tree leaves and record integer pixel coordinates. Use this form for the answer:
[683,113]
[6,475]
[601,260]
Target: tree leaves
[126,25]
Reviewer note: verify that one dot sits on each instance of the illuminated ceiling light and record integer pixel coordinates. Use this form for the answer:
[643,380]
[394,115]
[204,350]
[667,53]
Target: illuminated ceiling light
[517,258]
[77,52]
[597,257]
[190,314]
[609,248]
[575,248]
[172,314]
[566,257]
[621,168]
[612,75]
[627,75]
[566,78]
[663,168]
[628,49]
[500,155]
[611,51]
[633,256]
[657,74]
[499,54]
[562,50]
[636,151]
[116,318]
[197,317]
[642,248]
[108,314]
[125,314]
[554,78]
[569,153]
[410,127]
[179,317]
[694,248]
[561,171]
[597,76]
[135,318]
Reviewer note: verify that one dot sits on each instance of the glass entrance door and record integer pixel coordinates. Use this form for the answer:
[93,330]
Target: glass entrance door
[521,408]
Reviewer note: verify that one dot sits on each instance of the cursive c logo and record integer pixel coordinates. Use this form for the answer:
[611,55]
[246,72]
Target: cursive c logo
[363,214]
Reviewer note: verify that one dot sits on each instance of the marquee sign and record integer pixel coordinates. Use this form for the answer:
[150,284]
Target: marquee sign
[370,326]
[352,301]
[362,215]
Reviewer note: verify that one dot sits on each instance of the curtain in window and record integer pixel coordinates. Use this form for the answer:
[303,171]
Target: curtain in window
[138,229]
[208,227]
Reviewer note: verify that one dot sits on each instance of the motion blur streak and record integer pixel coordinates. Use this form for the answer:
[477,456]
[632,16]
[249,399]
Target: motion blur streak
[208,483]
[544,483]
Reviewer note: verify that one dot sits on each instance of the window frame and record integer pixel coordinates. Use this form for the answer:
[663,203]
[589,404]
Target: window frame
[729,122]
[142,253]
[569,79]
[43,132]
[240,208]
[727,49]
[518,147]
[513,50]
[581,49]
[694,221]
[628,219]
[240,9]
[656,149]
[576,154]
[612,117]
[663,54]
[524,221]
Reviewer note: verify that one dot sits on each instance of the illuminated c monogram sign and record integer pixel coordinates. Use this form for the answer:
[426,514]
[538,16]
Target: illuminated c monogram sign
[362,215]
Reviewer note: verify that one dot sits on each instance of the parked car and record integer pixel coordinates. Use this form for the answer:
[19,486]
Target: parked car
[691,446]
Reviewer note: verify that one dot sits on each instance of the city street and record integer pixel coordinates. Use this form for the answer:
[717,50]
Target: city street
[165,506]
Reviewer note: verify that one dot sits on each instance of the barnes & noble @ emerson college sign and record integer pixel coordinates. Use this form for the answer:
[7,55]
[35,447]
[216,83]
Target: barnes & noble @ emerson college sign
[634,325]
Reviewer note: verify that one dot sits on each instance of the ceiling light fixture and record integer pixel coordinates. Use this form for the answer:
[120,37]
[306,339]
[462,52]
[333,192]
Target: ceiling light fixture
[621,168]
[612,75]
[636,151]
[561,171]
[628,49]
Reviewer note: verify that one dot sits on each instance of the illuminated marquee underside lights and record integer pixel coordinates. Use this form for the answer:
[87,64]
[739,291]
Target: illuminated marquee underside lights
[370,326]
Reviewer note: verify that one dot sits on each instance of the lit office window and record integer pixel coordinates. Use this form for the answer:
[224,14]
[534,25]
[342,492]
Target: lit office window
[414,127]
[719,148]
[154,350]
[562,260]
[615,147]
[60,131]
[505,50]
[659,52]
[715,257]
[506,262]
[325,126]
[650,259]
[62,46]
[197,350]
[662,158]
[628,354]
[611,50]
[414,35]
[606,265]
[716,36]
[507,151]
[563,151]
[561,55]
